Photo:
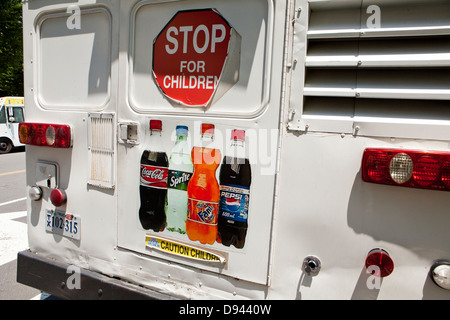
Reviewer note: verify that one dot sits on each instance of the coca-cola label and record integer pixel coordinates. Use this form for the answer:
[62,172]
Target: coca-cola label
[203,211]
[154,177]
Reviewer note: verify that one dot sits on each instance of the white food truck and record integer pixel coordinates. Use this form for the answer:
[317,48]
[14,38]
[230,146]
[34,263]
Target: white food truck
[11,114]
[341,114]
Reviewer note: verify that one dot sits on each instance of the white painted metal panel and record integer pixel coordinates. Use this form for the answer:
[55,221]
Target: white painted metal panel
[65,55]
[70,72]
[244,100]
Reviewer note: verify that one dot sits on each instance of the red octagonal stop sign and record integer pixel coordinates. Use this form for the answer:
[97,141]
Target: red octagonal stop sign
[196,57]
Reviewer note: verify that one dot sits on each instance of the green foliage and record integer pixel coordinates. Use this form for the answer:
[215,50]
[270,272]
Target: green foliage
[11,48]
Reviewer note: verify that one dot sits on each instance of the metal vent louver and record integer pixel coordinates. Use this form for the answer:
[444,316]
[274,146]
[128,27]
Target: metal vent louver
[101,150]
[398,70]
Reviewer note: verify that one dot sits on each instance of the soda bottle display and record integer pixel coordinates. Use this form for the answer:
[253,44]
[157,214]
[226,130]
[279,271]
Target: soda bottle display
[203,190]
[235,179]
[180,172]
[153,182]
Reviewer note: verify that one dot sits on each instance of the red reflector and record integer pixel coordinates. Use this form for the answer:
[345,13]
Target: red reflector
[379,262]
[58,197]
[446,174]
[408,168]
[46,135]
[426,170]
[377,166]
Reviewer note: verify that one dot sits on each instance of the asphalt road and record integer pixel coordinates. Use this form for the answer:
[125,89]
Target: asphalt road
[13,225]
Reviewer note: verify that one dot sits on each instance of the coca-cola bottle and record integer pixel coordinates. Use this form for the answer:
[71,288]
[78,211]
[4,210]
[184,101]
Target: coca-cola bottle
[153,182]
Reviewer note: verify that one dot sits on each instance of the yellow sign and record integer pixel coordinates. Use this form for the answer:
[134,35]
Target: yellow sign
[181,249]
[10,101]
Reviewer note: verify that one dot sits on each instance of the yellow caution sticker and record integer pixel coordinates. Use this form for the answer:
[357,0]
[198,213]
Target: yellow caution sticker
[182,249]
[13,101]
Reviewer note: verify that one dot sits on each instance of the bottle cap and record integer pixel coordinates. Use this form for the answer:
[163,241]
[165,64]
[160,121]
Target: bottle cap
[238,135]
[156,125]
[181,130]
[207,128]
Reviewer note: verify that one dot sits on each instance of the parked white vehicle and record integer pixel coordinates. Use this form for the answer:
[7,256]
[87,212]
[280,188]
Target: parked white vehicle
[11,114]
[344,107]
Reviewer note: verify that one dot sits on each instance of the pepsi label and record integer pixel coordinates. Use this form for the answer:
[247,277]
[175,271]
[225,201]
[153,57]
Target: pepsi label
[234,202]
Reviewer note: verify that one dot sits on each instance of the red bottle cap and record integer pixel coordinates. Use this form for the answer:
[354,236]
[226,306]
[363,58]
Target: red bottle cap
[207,128]
[156,125]
[238,135]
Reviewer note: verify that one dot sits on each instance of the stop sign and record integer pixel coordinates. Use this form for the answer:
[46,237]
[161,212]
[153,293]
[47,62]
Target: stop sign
[196,57]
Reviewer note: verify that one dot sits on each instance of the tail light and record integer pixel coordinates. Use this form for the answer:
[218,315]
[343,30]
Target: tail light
[47,135]
[58,197]
[415,169]
[379,261]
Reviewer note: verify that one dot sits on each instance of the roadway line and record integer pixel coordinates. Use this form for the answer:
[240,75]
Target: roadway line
[12,215]
[12,201]
[13,236]
[11,172]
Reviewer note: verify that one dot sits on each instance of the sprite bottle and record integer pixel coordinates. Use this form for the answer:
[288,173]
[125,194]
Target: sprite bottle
[180,172]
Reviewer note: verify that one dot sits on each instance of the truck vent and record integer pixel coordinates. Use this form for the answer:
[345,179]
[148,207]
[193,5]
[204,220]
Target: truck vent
[101,150]
[394,65]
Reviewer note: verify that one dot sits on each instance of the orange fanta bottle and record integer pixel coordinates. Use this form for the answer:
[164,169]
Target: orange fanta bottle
[203,190]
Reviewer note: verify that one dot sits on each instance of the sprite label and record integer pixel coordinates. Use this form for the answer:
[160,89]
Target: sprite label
[178,179]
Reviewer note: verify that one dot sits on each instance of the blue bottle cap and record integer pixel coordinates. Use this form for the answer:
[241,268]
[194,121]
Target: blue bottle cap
[182,130]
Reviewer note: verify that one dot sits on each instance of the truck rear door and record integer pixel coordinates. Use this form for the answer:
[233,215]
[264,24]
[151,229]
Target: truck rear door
[175,69]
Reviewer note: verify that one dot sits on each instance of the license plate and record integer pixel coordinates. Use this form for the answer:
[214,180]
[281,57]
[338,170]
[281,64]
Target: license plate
[65,224]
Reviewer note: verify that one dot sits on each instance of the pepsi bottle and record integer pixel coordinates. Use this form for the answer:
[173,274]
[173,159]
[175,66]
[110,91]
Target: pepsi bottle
[234,180]
[153,182]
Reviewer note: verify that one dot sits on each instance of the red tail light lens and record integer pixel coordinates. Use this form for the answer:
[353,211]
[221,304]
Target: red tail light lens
[47,135]
[58,197]
[408,168]
[426,170]
[381,262]
[377,166]
[446,174]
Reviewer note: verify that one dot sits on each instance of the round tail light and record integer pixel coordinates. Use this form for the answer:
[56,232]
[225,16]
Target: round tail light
[381,260]
[58,197]
[401,168]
